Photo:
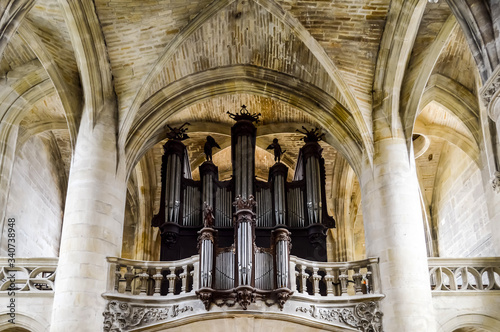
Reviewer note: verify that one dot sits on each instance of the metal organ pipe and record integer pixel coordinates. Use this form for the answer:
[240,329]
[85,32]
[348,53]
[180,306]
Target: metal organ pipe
[313,190]
[206,239]
[282,252]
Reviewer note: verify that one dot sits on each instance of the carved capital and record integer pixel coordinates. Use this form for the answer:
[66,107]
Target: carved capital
[244,204]
[495,182]
[490,93]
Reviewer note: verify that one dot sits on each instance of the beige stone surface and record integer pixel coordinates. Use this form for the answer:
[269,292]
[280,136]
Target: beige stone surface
[87,88]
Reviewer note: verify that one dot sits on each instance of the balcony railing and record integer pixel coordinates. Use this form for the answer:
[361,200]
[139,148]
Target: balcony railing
[464,274]
[28,275]
[180,278]
[332,279]
[145,293]
[153,278]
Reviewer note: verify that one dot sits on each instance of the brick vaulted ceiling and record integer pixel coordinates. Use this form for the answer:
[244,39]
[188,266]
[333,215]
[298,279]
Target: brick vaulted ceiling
[298,62]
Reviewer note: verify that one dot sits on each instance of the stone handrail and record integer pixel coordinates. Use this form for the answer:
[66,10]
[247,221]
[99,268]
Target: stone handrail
[154,278]
[28,274]
[331,279]
[464,274]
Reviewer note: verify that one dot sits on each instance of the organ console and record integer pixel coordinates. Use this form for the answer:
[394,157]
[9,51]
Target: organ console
[243,228]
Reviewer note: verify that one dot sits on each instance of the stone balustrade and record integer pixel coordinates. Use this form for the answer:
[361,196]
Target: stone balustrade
[333,279]
[153,278]
[28,274]
[464,274]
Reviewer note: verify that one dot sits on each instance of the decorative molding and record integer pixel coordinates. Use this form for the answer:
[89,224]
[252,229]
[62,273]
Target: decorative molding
[121,316]
[311,135]
[244,204]
[244,114]
[491,87]
[364,317]
[495,182]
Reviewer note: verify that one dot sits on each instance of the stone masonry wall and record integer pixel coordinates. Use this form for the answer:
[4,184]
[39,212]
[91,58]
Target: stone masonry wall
[460,208]
[35,202]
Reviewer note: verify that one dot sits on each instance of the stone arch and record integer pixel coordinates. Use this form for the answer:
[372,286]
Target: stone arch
[24,323]
[214,322]
[485,322]
[341,129]
[478,22]
[299,30]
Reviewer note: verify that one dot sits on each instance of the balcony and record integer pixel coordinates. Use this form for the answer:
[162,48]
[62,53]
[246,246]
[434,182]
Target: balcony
[337,296]
[147,293]
[465,290]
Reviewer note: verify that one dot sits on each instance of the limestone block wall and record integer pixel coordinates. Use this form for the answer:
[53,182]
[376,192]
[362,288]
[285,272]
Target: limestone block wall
[460,210]
[35,201]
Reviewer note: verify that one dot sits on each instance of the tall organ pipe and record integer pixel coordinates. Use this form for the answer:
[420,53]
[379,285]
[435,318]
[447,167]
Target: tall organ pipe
[173,161]
[244,239]
[243,157]
[312,155]
[206,245]
[208,173]
[277,176]
[282,244]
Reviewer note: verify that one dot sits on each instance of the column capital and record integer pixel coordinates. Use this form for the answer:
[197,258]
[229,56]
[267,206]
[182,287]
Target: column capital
[490,94]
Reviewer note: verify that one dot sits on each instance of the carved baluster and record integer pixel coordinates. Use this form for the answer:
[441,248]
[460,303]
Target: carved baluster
[192,278]
[171,281]
[195,272]
[129,277]
[118,276]
[357,277]
[329,278]
[303,279]
[336,282]
[183,277]
[369,279]
[315,279]
[143,277]
[157,278]
[293,281]
[343,277]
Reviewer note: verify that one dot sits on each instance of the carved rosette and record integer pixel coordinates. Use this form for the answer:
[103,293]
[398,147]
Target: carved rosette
[365,317]
[120,316]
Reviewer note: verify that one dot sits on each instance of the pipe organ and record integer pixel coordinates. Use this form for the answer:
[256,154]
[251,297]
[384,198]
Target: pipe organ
[243,228]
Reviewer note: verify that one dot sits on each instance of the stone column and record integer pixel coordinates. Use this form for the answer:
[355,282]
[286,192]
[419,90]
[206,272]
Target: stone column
[394,232]
[92,226]
[490,95]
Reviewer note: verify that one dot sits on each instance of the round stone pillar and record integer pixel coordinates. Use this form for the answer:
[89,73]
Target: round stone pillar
[92,228]
[394,232]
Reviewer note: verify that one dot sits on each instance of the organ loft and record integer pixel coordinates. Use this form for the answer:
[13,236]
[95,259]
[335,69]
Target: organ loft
[244,229]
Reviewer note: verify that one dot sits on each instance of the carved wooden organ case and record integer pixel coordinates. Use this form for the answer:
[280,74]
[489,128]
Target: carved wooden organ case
[243,228]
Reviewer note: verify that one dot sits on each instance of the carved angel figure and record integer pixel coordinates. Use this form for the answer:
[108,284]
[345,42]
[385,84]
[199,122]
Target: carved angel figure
[211,143]
[277,150]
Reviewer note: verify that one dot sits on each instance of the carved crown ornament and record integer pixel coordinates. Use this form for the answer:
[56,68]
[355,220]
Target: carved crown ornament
[244,204]
[244,114]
